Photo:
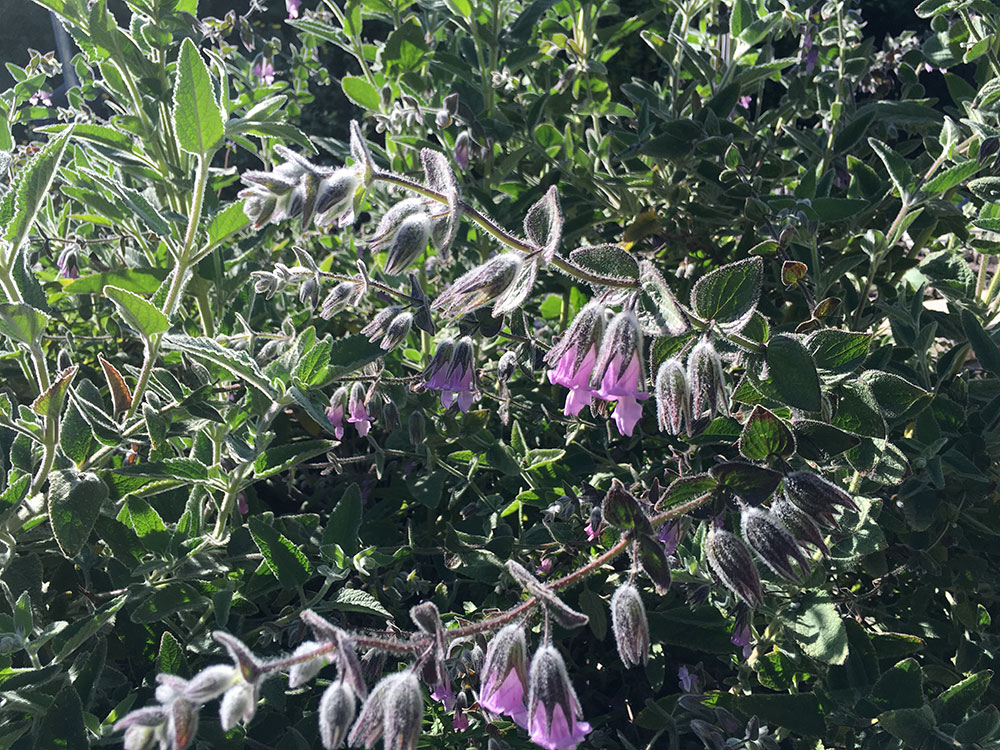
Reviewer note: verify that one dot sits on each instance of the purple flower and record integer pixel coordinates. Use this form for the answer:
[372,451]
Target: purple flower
[591,531]
[553,708]
[335,411]
[687,680]
[670,535]
[442,692]
[504,675]
[292,6]
[619,370]
[575,355]
[68,263]
[545,566]
[460,722]
[462,150]
[44,98]
[242,504]
[358,412]
[459,380]
[263,70]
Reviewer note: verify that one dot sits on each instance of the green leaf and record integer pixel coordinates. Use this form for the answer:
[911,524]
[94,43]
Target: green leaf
[986,188]
[765,435]
[753,484]
[819,441]
[653,560]
[23,323]
[900,687]
[350,354]
[141,517]
[142,281]
[838,351]
[75,500]
[170,658]
[594,607]
[620,509]
[609,261]
[980,726]
[356,600]
[75,435]
[838,209]
[857,411]
[899,169]
[799,713]
[686,489]
[815,624]
[283,457]
[14,493]
[982,344]
[951,177]
[955,702]
[741,16]
[911,725]
[198,120]
[344,521]
[62,727]
[793,372]
[20,205]
[894,395]
[49,402]
[166,601]
[729,295]
[286,561]
[137,312]
[665,307]
[362,93]
[238,363]
[227,222]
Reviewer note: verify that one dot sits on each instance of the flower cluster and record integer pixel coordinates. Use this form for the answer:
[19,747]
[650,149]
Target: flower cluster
[352,404]
[606,364]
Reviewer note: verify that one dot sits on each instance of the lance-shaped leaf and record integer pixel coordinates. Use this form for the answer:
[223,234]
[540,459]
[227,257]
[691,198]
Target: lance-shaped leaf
[729,295]
[121,396]
[899,169]
[543,224]
[563,613]
[22,323]
[765,435]
[49,402]
[139,313]
[752,484]
[198,120]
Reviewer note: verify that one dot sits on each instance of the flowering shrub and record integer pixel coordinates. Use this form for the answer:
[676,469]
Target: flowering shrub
[683,317]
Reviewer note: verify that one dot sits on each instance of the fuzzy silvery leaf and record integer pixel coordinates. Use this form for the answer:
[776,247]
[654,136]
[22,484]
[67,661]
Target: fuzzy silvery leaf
[662,304]
[729,295]
[543,224]
[610,261]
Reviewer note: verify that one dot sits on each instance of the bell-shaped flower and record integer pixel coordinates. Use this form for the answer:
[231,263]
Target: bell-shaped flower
[436,373]
[619,371]
[358,412]
[553,709]
[336,410]
[505,675]
[458,381]
[575,355]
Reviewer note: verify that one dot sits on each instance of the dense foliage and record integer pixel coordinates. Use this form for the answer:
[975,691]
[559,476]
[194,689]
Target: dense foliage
[550,371]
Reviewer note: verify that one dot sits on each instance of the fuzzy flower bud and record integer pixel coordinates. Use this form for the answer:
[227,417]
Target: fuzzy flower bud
[239,704]
[416,428]
[619,370]
[380,323]
[553,709]
[336,712]
[462,143]
[480,286]
[410,240]
[629,624]
[731,562]
[304,671]
[182,724]
[506,367]
[504,674]
[672,401]
[210,683]
[140,738]
[397,331]
[336,195]
[575,355]
[342,295]
[704,375]
[771,541]
[394,712]
[798,523]
[816,496]
[392,220]
[68,263]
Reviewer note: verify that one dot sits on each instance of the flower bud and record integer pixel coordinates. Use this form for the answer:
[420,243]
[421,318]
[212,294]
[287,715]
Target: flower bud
[506,367]
[799,525]
[480,286]
[462,142]
[436,372]
[410,241]
[68,263]
[416,428]
[393,711]
[258,208]
[336,712]
[309,292]
[336,195]
[731,562]
[210,683]
[553,709]
[672,401]
[239,704]
[816,496]
[304,671]
[380,323]
[704,375]
[182,724]
[390,416]
[140,738]
[279,182]
[771,541]
[397,331]
[629,624]
[504,674]
[391,221]
[345,293]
